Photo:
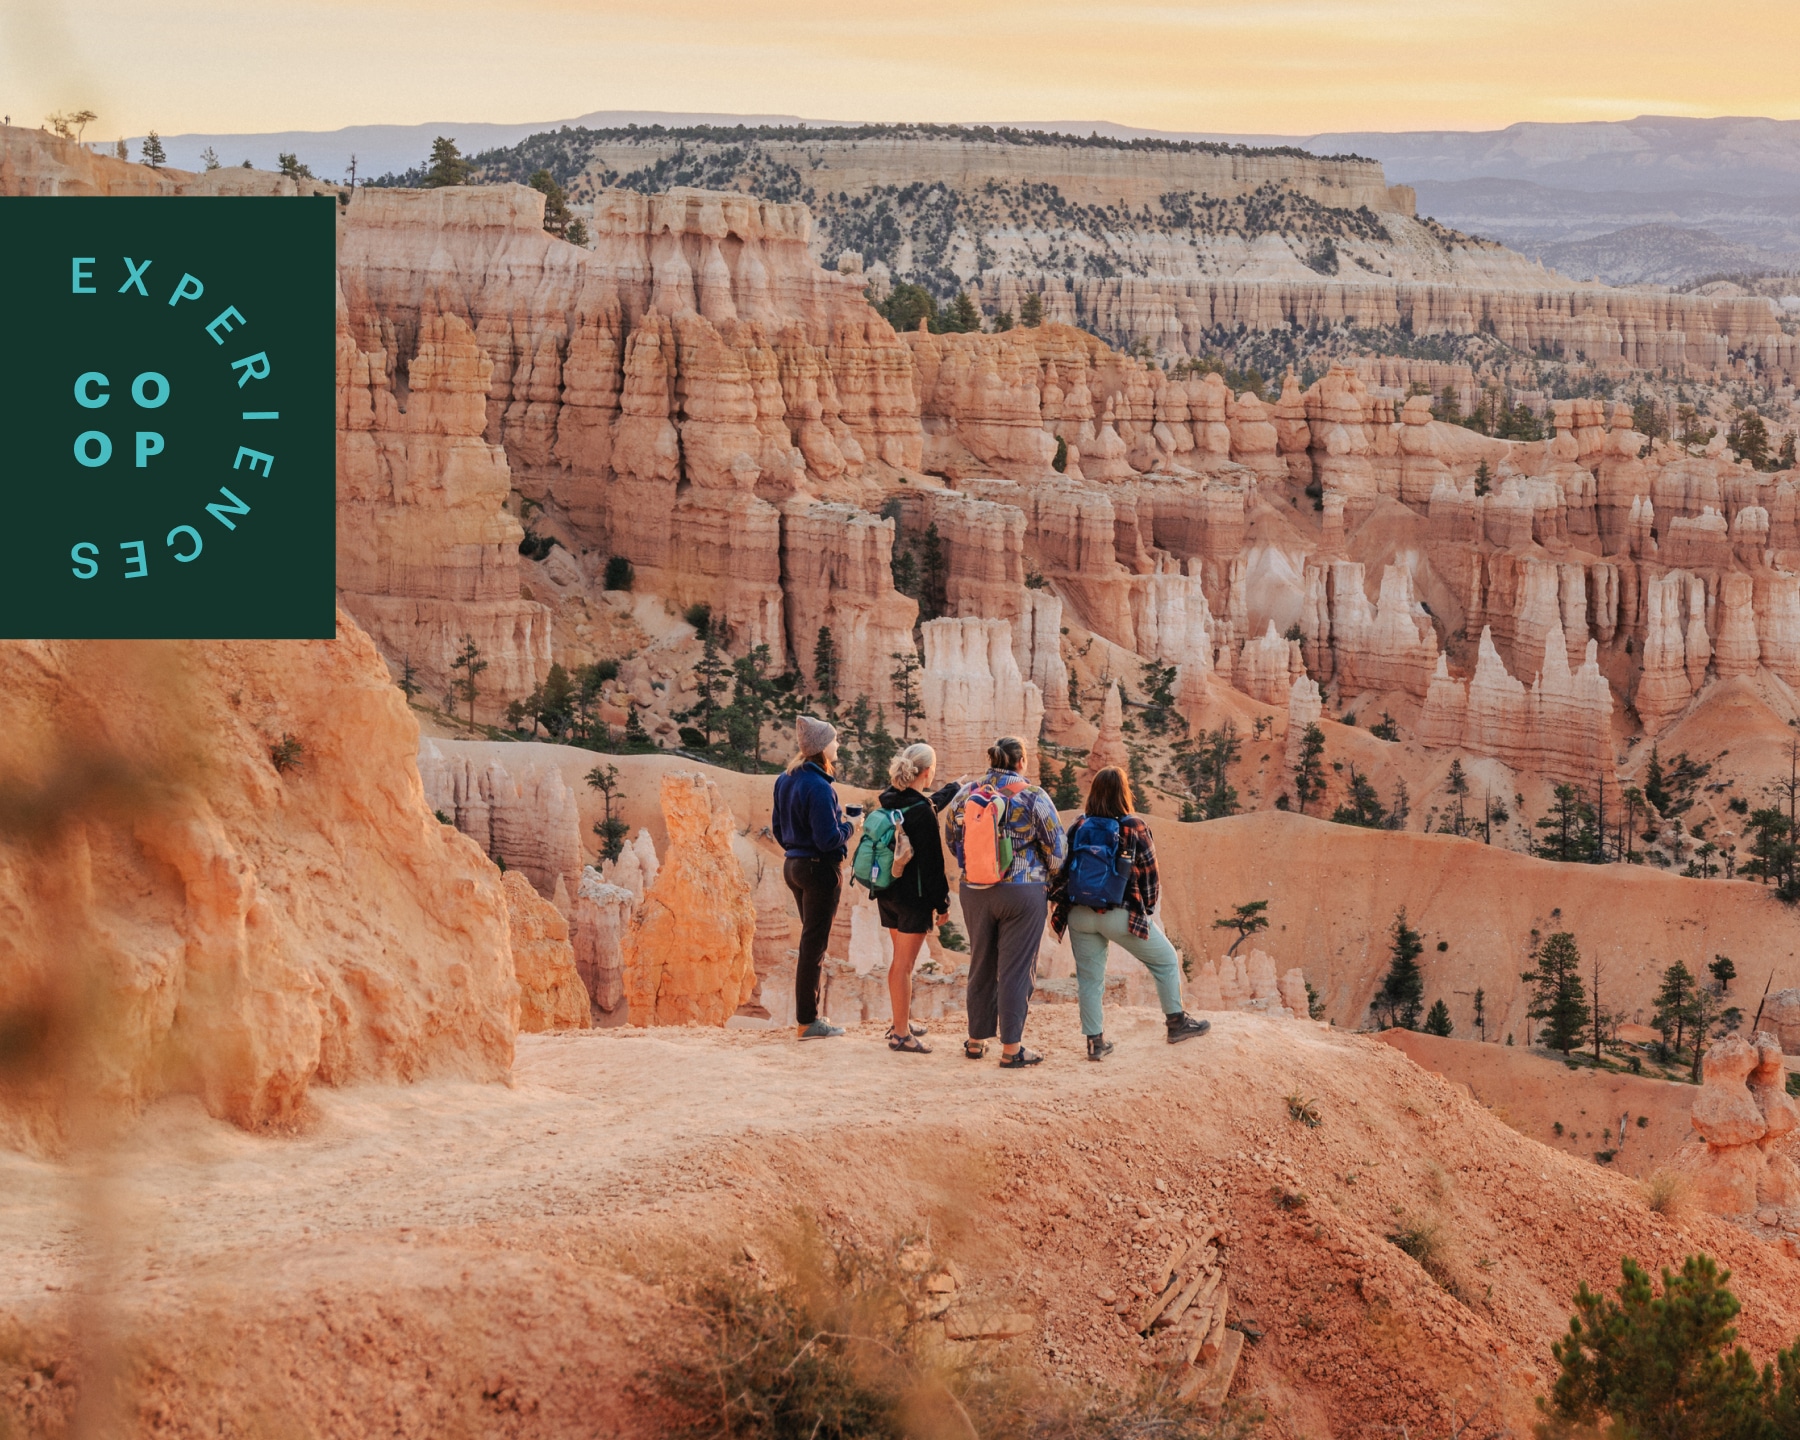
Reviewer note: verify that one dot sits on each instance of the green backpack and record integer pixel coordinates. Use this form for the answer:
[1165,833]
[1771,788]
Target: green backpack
[877,865]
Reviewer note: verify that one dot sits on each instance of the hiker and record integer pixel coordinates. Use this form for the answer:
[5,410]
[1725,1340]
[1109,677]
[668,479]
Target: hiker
[814,835]
[916,896]
[1107,891]
[1009,842]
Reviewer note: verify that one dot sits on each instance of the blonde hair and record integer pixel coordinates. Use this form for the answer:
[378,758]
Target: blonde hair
[910,764]
[801,757]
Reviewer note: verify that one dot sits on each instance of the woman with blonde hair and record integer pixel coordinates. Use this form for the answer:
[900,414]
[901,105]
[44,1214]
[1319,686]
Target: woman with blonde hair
[919,897]
[1107,893]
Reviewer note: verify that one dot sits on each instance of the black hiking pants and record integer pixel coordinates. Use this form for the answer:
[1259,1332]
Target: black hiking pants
[817,884]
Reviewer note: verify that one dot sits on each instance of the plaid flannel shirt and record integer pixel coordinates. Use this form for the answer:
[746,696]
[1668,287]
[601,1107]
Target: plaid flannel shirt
[1143,891]
[1039,846]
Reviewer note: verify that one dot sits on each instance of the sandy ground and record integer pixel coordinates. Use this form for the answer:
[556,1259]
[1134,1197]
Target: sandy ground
[450,1259]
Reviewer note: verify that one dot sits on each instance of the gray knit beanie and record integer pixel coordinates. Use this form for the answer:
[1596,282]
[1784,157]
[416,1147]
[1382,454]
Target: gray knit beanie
[813,734]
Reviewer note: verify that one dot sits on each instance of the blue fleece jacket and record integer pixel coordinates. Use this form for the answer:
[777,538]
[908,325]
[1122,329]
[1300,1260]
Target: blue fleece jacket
[807,819]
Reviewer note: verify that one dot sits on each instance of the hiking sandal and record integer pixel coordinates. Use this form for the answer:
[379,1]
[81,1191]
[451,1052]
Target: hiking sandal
[909,1043]
[1019,1059]
[974,1049]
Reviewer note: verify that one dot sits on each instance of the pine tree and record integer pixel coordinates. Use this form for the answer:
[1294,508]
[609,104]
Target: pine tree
[446,166]
[209,158]
[556,203]
[1362,805]
[1723,972]
[612,828]
[1665,1367]
[963,314]
[934,574]
[825,670]
[1402,993]
[752,700]
[409,678]
[1059,462]
[290,166]
[1066,794]
[1749,437]
[1031,312]
[469,661]
[1458,785]
[153,154]
[1558,996]
[1438,1021]
[1247,919]
[710,683]
[1655,789]
[905,679]
[1481,1013]
[1572,832]
[1672,1001]
[880,751]
[1309,771]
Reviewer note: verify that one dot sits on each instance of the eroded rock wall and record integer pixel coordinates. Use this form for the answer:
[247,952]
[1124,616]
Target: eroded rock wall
[182,915]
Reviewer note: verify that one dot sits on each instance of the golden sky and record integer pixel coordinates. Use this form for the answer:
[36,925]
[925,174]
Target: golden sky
[1256,66]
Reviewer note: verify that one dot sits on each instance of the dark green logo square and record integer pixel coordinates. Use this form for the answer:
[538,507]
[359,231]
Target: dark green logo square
[169,400]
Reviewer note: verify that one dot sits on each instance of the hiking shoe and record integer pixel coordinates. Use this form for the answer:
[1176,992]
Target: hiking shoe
[820,1030]
[1183,1026]
[1099,1047]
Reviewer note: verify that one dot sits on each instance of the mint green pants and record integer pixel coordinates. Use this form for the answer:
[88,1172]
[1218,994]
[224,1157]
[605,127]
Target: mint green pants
[1089,933]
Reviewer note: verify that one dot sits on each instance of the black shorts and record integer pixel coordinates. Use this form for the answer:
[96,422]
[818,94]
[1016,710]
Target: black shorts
[906,913]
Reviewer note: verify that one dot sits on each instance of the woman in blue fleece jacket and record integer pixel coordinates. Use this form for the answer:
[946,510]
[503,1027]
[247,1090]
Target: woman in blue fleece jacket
[810,825]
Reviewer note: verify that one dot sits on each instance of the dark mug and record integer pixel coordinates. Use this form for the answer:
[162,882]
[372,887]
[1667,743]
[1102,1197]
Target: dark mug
[853,811]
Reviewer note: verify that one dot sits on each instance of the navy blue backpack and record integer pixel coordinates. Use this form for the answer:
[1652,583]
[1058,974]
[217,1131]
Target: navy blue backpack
[1098,869]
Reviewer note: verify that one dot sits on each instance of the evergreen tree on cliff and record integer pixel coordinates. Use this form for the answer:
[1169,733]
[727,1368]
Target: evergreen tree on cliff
[1309,772]
[1402,993]
[153,153]
[447,165]
[556,203]
[1558,997]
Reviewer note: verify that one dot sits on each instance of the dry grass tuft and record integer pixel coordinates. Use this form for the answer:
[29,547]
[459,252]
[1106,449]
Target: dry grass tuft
[1304,1110]
[1666,1193]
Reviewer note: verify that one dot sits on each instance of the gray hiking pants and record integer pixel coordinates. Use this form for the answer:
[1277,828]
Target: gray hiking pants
[1005,922]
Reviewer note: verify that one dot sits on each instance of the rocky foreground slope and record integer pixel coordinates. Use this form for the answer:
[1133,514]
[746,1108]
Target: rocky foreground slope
[507,1261]
[218,876]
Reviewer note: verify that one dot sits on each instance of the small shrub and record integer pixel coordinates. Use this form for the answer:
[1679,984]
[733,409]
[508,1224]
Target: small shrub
[1665,1193]
[442,818]
[700,617]
[1644,1120]
[1443,945]
[1605,1157]
[1290,1199]
[1793,1084]
[1557,1127]
[288,753]
[1304,1110]
[1423,1239]
[619,573]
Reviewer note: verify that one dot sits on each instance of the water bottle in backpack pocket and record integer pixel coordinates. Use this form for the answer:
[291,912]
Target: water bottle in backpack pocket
[1098,868]
[883,851]
[987,844]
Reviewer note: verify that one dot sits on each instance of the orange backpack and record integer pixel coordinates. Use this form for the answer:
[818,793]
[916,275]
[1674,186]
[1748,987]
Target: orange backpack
[987,847]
